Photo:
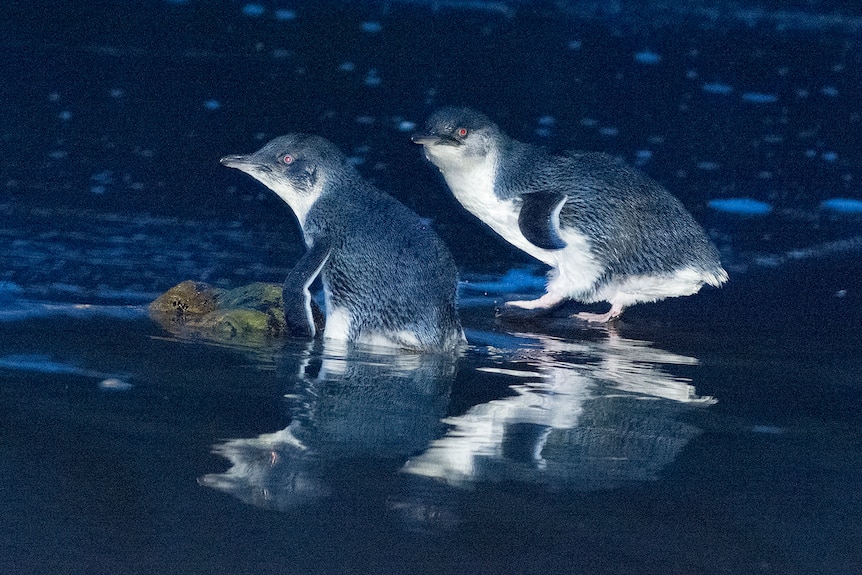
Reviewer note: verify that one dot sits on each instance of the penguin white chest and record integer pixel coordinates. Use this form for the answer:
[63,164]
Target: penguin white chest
[299,200]
[473,186]
[472,183]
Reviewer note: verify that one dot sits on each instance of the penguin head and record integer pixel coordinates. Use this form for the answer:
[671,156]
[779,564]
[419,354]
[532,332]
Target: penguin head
[457,136]
[295,167]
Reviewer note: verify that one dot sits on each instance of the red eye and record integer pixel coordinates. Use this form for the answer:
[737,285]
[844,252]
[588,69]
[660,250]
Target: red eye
[461,132]
[287,159]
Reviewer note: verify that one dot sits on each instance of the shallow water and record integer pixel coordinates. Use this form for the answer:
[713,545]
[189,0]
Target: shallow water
[713,434]
[689,439]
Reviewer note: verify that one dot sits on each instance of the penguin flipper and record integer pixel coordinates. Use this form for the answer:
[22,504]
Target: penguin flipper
[539,219]
[298,310]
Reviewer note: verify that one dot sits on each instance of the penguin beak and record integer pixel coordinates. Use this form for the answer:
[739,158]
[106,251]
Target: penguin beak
[432,139]
[243,163]
[423,139]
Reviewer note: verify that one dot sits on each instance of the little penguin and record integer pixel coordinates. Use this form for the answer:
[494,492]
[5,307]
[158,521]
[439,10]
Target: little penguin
[387,277]
[609,233]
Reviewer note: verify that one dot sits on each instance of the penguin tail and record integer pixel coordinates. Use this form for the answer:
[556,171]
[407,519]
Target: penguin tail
[715,278]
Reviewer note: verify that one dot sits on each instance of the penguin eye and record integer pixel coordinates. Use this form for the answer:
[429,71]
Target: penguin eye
[461,132]
[287,159]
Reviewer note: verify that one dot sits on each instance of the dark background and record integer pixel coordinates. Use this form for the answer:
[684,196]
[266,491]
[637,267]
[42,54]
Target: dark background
[105,104]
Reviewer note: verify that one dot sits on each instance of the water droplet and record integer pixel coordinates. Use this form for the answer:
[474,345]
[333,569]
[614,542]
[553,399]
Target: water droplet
[253,10]
[717,88]
[114,384]
[746,206]
[759,98]
[284,14]
[647,57]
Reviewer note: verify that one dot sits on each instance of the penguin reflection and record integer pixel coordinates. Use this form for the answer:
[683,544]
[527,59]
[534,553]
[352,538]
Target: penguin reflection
[585,415]
[347,403]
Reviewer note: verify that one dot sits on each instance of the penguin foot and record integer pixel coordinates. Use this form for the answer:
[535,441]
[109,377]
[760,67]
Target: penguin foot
[547,301]
[610,315]
[595,317]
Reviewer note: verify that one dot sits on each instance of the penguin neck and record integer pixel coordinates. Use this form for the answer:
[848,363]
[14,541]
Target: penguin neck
[342,184]
[472,183]
[517,165]
[490,188]
[337,200]
[302,203]
[494,180]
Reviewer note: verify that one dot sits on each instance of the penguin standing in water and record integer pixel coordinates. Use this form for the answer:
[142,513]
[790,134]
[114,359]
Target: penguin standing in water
[609,233]
[387,278]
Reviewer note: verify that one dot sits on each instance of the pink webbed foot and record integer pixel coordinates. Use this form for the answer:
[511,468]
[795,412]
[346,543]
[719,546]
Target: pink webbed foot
[610,315]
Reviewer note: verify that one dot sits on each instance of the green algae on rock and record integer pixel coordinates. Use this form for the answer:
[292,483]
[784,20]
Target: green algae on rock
[198,309]
[188,298]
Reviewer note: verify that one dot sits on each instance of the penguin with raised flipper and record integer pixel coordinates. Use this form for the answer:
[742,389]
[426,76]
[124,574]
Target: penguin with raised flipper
[609,232]
[387,278]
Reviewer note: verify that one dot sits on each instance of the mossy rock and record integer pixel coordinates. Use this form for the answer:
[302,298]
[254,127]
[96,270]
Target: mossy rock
[258,296]
[249,312]
[240,322]
[188,298]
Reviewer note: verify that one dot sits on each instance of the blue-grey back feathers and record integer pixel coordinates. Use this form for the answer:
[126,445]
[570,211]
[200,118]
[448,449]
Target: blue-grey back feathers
[635,226]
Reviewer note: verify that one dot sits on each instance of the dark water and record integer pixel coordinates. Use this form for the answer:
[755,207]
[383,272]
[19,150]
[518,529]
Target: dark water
[713,434]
